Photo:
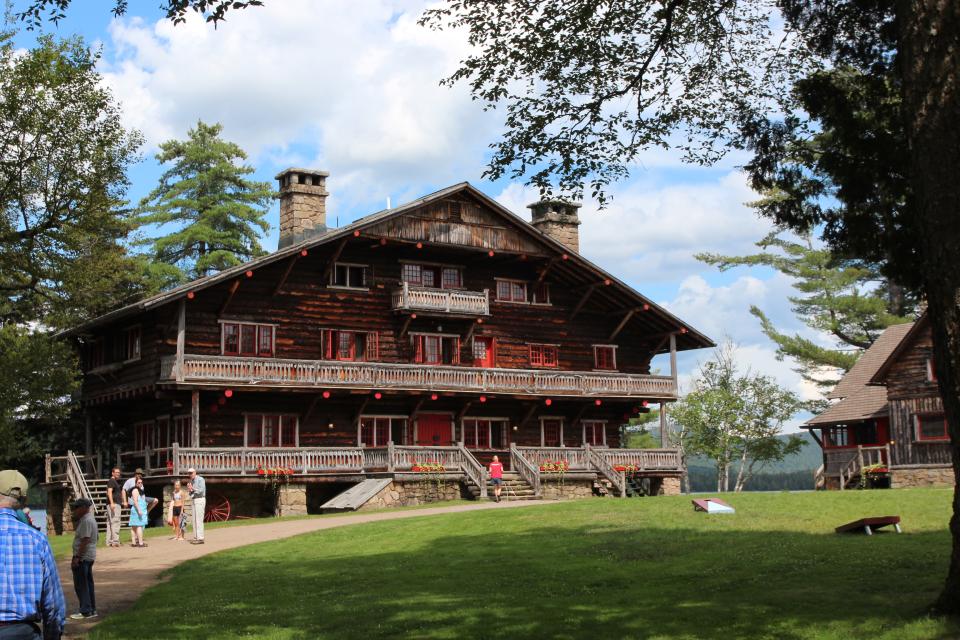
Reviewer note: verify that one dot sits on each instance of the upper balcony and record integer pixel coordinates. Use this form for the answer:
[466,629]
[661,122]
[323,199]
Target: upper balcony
[444,301]
[265,372]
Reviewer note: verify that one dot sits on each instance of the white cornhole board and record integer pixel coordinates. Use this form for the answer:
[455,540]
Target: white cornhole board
[712,505]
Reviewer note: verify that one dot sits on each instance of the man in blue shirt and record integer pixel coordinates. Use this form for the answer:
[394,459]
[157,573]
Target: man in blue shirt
[30,590]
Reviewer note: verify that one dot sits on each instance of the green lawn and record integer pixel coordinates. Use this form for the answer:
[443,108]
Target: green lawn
[640,568]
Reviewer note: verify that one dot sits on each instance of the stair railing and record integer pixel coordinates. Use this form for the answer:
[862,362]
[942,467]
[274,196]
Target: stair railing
[618,478]
[525,468]
[850,470]
[473,469]
[77,480]
[819,479]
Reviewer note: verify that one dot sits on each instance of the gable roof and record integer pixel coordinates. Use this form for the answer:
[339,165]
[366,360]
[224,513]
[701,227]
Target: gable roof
[859,399]
[880,375]
[691,339]
[864,369]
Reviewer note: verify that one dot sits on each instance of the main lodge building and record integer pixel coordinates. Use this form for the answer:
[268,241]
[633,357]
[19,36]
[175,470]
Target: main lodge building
[441,332]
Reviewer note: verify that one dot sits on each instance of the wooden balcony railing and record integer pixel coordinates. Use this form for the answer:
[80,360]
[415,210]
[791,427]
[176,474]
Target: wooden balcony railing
[578,459]
[409,298]
[413,377]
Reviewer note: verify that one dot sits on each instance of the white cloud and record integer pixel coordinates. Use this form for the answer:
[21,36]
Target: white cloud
[351,87]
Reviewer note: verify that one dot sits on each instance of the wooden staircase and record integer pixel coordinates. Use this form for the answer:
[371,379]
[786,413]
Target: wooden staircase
[514,488]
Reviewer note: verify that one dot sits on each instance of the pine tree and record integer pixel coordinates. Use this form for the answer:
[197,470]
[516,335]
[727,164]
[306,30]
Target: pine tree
[218,213]
[847,299]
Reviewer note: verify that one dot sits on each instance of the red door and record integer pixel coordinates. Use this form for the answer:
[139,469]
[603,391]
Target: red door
[433,430]
[483,352]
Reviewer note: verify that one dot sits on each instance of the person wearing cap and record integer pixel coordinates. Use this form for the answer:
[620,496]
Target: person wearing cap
[198,491]
[84,555]
[32,593]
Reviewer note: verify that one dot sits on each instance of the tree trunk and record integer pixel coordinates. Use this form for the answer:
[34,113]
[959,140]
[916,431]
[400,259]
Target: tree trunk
[929,55]
[743,464]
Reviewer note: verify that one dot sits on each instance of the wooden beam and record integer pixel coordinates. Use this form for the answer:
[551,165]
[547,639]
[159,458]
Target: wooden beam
[356,417]
[673,358]
[286,273]
[530,412]
[406,325]
[663,426]
[578,418]
[416,409]
[195,419]
[583,301]
[623,323]
[663,341]
[333,260]
[473,327]
[181,338]
[463,410]
[309,412]
[816,438]
[545,271]
[233,289]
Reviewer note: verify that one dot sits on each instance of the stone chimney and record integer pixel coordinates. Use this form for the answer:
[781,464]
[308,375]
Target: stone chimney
[559,220]
[303,205]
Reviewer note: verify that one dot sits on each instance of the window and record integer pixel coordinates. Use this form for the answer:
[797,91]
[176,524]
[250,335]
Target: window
[143,435]
[595,432]
[485,433]
[543,355]
[271,430]
[350,276]
[377,431]
[931,370]
[511,291]
[132,344]
[541,293]
[361,346]
[551,432]
[436,349]
[932,427]
[436,276]
[605,357]
[242,339]
[836,437]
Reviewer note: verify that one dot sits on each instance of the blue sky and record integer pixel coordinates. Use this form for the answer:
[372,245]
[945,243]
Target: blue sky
[352,88]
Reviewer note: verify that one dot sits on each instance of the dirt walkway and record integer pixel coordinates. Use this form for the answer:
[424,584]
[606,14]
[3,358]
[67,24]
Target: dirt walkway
[121,575]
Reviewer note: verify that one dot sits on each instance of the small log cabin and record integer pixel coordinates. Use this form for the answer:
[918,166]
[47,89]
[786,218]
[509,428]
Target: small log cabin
[447,330]
[888,425]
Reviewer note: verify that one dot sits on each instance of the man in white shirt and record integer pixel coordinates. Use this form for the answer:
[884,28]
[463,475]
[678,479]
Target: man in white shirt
[198,491]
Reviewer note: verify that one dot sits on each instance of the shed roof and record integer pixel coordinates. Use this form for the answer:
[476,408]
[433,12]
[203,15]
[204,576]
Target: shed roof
[880,375]
[865,403]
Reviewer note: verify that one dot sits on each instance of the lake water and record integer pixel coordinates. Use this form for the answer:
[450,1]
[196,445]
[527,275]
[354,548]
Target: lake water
[39,517]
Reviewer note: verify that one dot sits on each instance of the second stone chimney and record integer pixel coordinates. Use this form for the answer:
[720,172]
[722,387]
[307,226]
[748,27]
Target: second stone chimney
[559,220]
[303,205]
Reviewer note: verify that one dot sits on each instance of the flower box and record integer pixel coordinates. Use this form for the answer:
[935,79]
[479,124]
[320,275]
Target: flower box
[626,468]
[555,466]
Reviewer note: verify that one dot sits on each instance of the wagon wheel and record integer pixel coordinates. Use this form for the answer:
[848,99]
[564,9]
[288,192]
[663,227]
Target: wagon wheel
[218,508]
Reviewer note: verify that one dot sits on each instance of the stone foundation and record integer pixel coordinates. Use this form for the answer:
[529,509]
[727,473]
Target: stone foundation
[668,487]
[567,489]
[59,519]
[408,493]
[926,477]
[291,499]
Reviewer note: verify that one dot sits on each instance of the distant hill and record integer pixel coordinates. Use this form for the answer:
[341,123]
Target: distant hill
[795,472]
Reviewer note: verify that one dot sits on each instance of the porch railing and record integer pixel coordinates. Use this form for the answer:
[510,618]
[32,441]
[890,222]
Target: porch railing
[602,465]
[526,469]
[575,457]
[862,458]
[414,377]
[445,300]
[57,468]
[599,459]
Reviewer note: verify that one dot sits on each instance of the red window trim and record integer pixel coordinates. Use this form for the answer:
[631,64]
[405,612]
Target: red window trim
[330,345]
[256,328]
[597,364]
[919,432]
[420,350]
[544,355]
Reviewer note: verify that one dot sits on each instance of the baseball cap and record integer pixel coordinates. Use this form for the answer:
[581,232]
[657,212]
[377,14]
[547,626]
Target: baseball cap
[138,472]
[13,484]
[80,502]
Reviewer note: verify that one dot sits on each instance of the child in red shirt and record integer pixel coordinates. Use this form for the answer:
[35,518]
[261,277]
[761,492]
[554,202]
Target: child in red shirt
[496,474]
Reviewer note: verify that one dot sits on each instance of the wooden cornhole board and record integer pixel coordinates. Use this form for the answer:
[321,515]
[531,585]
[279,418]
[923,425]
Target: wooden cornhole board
[868,525]
[712,505]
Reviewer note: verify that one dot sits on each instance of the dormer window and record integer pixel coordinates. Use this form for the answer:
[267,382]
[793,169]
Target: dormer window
[511,291]
[541,293]
[348,276]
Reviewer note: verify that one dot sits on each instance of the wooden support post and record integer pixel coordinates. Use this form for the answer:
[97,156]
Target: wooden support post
[47,468]
[583,301]
[325,279]
[391,464]
[230,293]
[356,417]
[181,337]
[473,327]
[673,359]
[309,412]
[406,325]
[286,273]
[195,419]
[529,415]
[623,323]
[176,459]
[577,419]
[416,409]
[664,441]
[463,411]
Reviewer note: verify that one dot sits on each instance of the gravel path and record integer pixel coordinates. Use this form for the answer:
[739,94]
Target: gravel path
[122,574]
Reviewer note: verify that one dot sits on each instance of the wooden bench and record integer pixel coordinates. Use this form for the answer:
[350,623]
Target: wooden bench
[867,525]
